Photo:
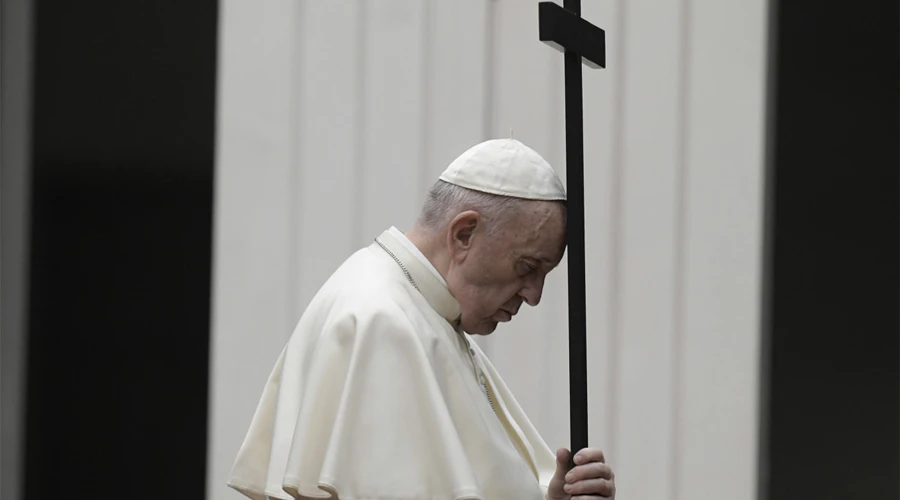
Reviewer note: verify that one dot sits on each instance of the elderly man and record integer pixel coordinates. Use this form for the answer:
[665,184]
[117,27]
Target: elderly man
[380,394]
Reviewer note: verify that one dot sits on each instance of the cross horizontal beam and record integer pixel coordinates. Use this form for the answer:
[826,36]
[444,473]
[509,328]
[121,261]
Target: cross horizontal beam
[564,30]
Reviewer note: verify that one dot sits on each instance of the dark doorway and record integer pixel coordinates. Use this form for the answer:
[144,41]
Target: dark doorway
[831,397]
[123,148]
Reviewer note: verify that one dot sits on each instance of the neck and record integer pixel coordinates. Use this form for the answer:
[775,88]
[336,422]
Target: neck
[431,246]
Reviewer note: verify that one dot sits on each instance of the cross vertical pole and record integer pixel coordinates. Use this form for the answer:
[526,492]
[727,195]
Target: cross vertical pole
[578,394]
[580,41]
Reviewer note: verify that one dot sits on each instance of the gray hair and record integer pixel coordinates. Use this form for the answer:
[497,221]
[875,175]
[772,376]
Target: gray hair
[445,201]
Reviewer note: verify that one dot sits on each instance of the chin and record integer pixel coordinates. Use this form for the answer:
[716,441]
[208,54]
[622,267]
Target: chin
[485,328]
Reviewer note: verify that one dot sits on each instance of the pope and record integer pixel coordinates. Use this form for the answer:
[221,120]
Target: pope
[381,394]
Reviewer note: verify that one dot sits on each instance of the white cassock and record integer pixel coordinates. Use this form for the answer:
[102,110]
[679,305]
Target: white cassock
[380,395]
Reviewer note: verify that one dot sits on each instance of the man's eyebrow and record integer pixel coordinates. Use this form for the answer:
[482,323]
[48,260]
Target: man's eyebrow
[543,259]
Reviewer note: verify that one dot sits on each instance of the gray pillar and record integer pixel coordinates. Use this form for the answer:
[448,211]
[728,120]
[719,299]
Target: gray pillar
[15,186]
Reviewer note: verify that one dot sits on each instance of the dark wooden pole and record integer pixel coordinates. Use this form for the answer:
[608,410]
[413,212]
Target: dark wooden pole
[578,394]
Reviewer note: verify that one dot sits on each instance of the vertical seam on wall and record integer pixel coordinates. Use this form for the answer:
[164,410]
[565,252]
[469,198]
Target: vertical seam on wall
[556,148]
[679,301]
[359,128]
[490,48]
[424,107]
[615,231]
[295,174]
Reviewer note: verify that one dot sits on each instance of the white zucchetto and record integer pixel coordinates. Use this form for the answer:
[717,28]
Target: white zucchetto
[505,167]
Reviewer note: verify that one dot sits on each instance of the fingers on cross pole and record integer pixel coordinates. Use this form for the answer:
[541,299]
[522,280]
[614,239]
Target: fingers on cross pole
[591,480]
[589,455]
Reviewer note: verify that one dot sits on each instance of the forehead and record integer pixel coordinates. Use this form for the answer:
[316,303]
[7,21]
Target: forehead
[539,232]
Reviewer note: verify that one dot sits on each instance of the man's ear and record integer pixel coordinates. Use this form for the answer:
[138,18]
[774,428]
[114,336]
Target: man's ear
[461,234]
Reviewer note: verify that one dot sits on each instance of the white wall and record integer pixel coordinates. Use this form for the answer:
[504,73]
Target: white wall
[335,117]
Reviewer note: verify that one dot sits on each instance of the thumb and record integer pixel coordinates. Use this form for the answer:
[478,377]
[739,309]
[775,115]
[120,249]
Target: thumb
[556,488]
[562,464]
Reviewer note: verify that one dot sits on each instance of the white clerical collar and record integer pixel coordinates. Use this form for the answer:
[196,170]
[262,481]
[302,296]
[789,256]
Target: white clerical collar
[427,282]
[415,251]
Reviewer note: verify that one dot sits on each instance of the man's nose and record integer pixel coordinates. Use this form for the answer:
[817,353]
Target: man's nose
[533,291]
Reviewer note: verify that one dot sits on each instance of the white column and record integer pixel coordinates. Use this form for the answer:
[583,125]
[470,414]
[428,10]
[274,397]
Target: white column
[722,249]
[647,283]
[253,244]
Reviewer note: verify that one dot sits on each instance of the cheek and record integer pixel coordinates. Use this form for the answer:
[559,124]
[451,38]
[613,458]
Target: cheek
[494,294]
[481,290]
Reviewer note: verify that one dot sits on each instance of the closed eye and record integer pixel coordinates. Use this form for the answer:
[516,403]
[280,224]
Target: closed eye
[529,266]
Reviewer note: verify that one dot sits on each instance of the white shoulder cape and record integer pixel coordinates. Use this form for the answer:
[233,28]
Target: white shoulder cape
[375,396]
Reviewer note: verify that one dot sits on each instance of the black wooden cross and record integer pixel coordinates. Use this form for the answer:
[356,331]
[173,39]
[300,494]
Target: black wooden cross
[564,29]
